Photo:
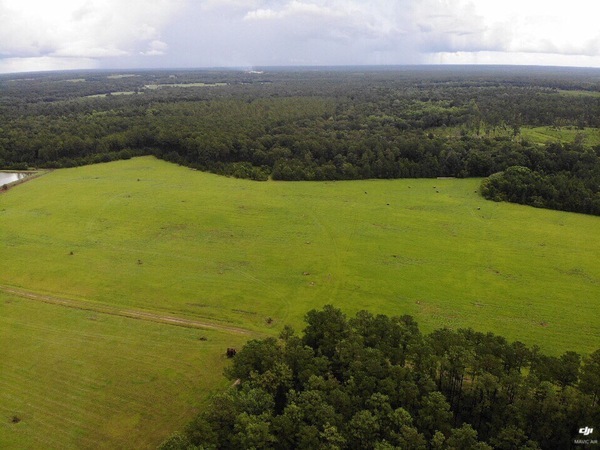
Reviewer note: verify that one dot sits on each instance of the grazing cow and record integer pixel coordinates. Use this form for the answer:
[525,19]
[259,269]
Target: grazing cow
[231,352]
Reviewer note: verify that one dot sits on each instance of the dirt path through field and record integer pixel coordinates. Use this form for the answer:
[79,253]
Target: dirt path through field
[129,313]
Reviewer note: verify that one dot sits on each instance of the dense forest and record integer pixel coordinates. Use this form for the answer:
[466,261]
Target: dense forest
[327,124]
[377,382]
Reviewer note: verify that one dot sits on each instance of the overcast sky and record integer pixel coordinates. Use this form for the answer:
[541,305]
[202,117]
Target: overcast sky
[123,34]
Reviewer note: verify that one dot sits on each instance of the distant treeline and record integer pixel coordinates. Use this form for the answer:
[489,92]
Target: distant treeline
[376,382]
[318,125]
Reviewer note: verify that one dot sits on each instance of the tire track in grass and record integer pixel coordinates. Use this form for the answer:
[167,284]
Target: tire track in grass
[129,313]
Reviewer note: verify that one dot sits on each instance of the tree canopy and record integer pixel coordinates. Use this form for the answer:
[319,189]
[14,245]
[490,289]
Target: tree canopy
[320,125]
[377,382]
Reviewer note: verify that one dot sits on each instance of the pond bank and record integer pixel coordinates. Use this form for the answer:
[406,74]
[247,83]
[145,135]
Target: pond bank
[13,178]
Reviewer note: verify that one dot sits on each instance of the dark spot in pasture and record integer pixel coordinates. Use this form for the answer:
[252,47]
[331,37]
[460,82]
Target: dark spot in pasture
[305,273]
[544,324]
[140,262]
[365,192]
[203,338]
[231,352]
[388,204]
[437,192]
[269,320]
[71,253]
[138,179]
[478,209]
[15,419]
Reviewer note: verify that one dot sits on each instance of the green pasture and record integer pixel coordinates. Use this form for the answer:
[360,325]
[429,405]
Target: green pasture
[77,379]
[588,137]
[543,135]
[152,235]
[576,93]
[122,75]
[182,85]
[149,235]
[112,93]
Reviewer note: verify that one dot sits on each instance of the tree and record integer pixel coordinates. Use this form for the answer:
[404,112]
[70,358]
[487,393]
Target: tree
[465,438]
[253,432]
[511,438]
[343,386]
[434,415]
[325,330]
[567,371]
[589,381]
[177,442]
[363,430]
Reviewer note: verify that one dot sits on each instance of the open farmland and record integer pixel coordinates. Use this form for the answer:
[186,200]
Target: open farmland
[79,379]
[149,236]
[537,135]
[542,135]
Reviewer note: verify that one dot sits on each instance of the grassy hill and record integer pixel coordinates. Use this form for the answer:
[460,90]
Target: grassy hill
[149,236]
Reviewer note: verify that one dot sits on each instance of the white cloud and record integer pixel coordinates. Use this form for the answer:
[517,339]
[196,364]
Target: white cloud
[513,58]
[532,26]
[375,19]
[156,48]
[82,29]
[432,27]
[193,33]
[295,8]
[12,65]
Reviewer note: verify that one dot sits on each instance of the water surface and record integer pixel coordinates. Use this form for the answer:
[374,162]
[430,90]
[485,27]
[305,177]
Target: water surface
[9,177]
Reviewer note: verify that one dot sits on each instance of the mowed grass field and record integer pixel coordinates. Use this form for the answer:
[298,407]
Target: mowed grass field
[587,136]
[77,379]
[147,235]
[543,135]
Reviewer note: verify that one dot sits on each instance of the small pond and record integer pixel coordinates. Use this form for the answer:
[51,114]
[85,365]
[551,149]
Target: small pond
[9,177]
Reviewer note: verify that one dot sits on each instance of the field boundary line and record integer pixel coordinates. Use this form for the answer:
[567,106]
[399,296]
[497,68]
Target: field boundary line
[129,313]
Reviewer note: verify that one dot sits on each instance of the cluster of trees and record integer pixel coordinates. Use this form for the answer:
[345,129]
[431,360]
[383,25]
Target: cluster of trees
[313,125]
[563,191]
[376,382]
[561,176]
